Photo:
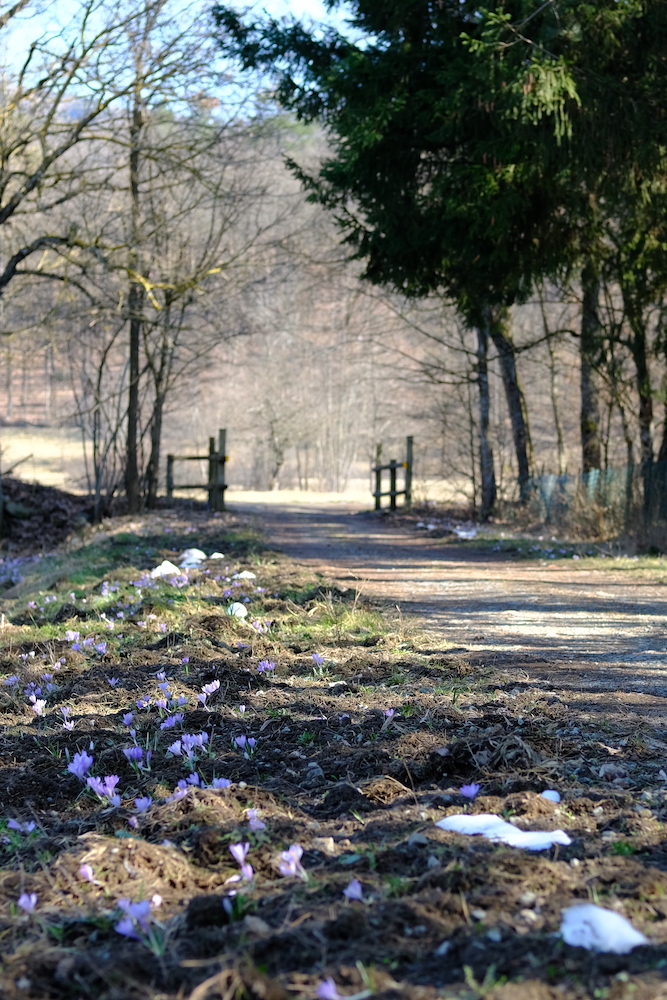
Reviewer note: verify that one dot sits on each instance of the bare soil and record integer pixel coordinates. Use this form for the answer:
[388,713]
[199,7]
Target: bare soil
[482,669]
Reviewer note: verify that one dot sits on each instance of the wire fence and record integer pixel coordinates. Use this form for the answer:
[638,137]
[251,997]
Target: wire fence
[630,499]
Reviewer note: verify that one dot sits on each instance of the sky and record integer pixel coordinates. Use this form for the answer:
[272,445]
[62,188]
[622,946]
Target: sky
[44,15]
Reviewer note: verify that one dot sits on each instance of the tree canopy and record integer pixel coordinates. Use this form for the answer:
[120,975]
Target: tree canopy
[466,142]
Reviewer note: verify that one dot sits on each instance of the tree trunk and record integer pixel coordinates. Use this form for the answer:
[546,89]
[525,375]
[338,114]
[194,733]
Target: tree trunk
[644,390]
[553,389]
[487,473]
[516,403]
[153,466]
[589,349]
[48,383]
[662,454]
[135,306]
[132,484]
[10,385]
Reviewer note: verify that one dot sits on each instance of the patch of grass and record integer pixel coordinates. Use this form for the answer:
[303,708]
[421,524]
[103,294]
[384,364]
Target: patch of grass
[623,848]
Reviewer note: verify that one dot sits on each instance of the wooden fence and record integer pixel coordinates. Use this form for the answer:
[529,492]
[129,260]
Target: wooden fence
[392,468]
[216,485]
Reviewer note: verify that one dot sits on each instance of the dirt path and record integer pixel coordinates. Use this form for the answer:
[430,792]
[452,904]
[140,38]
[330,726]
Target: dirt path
[598,635]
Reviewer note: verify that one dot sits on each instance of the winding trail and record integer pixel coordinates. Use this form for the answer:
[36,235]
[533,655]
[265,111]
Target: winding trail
[597,634]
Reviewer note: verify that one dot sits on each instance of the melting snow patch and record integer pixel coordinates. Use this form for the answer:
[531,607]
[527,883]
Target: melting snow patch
[585,925]
[165,568]
[191,558]
[245,575]
[551,794]
[237,610]
[466,533]
[496,829]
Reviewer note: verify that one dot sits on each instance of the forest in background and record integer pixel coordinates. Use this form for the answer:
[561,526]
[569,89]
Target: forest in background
[165,273]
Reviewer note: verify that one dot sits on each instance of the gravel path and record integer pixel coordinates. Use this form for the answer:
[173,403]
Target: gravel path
[598,634]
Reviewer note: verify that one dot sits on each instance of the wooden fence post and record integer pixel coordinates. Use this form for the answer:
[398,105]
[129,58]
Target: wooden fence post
[211,474]
[409,449]
[170,477]
[215,485]
[393,465]
[220,470]
[378,477]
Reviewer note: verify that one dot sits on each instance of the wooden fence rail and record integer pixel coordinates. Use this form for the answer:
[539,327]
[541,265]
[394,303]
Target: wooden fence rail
[216,484]
[392,467]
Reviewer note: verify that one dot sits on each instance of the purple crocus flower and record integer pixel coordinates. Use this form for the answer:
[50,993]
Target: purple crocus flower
[191,740]
[80,764]
[318,658]
[128,719]
[18,827]
[136,916]
[239,852]
[143,803]
[105,787]
[469,791]
[220,783]
[172,720]
[125,926]
[138,911]
[111,681]
[246,744]
[354,890]
[253,821]
[290,862]
[97,785]
[327,990]
[178,793]
[110,783]
[86,872]
[133,753]
[264,666]
[27,901]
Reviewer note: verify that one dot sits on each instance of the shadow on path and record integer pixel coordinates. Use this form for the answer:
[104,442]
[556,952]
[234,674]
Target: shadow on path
[580,629]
